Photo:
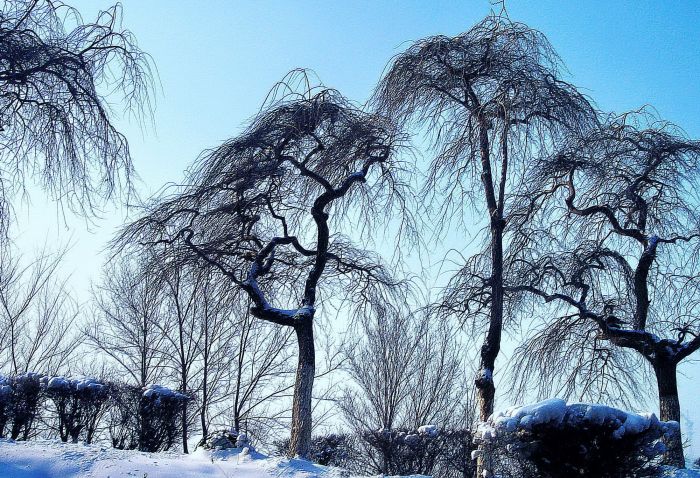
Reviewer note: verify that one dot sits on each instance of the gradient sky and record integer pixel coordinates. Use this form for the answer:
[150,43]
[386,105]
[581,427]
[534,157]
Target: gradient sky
[217,60]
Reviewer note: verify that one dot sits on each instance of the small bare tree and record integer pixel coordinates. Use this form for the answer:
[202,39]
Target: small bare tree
[182,295]
[127,323]
[55,124]
[37,314]
[263,210]
[625,209]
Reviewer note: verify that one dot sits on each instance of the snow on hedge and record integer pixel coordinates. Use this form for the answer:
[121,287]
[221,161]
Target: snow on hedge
[158,391]
[75,383]
[555,412]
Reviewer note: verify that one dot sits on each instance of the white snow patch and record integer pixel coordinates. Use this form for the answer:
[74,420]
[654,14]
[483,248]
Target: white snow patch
[49,459]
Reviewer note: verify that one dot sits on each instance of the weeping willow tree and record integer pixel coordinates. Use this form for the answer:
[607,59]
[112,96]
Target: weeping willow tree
[56,72]
[272,210]
[492,99]
[624,202]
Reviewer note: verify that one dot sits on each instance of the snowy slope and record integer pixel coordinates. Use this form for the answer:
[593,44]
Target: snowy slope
[49,459]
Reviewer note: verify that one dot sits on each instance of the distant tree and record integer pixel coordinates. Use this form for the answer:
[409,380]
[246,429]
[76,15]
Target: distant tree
[242,363]
[260,374]
[214,348]
[36,315]
[128,307]
[55,75]
[625,211]
[182,297]
[266,209]
[493,99]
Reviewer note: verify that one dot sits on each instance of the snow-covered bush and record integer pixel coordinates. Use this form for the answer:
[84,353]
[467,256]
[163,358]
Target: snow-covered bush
[25,393]
[455,459]
[332,449]
[161,411]
[145,418]
[79,403]
[551,439]
[406,452]
[222,440]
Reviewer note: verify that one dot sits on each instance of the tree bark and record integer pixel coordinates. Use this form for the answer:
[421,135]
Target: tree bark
[300,442]
[485,387]
[184,427]
[670,409]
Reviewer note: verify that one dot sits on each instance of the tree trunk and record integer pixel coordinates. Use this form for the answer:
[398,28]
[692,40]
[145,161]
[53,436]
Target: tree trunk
[486,390]
[203,411]
[670,410]
[300,442]
[184,428]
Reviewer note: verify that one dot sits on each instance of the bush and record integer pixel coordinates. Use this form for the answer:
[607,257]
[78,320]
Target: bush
[332,449]
[455,458]
[160,411]
[552,439]
[406,452]
[79,404]
[124,416]
[24,398]
[145,418]
[224,440]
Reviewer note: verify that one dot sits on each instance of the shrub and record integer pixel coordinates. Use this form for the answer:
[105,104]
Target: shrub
[24,398]
[551,439]
[79,404]
[160,411]
[124,417]
[145,418]
[332,449]
[404,451]
[455,459]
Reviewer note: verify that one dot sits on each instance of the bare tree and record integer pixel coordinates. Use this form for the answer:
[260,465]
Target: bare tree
[55,126]
[263,209]
[406,371]
[182,297]
[37,314]
[625,207]
[260,374]
[217,338]
[493,100]
[127,323]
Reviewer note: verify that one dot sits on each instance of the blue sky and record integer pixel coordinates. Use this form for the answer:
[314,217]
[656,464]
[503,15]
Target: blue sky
[217,60]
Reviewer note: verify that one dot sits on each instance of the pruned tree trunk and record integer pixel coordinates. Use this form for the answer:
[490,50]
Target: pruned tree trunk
[300,442]
[670,410]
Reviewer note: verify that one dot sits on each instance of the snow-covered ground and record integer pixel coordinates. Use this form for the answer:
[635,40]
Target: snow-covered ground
[53,459]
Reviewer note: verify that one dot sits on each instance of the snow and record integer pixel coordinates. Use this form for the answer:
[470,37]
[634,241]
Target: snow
[679,473]
[555,411]
[48,459]
[161,391]
[76,383]
[429,430]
